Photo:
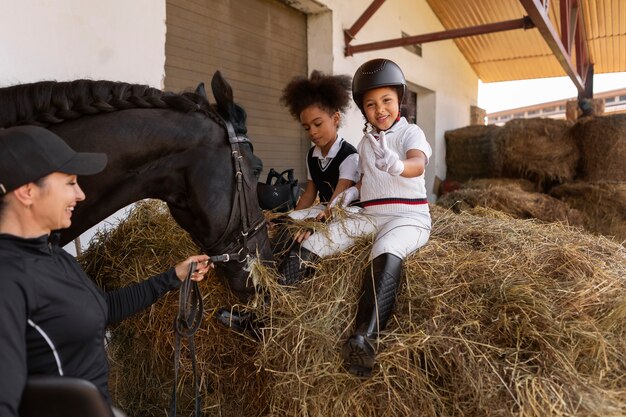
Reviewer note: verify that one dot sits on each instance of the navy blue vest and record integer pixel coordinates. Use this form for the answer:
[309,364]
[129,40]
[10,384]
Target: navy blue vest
[326,181]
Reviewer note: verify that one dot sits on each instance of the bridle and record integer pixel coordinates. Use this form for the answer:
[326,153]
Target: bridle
[190,303]
[249,227]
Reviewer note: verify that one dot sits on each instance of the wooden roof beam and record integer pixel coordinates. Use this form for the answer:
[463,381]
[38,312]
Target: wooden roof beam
[523,23]
[539,15]
[349,34]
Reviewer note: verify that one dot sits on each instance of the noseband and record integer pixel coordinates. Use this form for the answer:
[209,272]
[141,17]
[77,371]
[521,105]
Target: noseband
[238,250]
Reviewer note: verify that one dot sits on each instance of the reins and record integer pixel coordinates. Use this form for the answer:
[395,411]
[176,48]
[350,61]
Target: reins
[190,305]
[186,324]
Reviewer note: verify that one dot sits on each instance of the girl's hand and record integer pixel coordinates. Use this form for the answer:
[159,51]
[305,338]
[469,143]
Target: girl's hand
[345,197]
[324,215]
[386,159]
[202,267]
[302,235]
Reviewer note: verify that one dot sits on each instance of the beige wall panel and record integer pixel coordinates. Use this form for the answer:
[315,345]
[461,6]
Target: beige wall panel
[258,45]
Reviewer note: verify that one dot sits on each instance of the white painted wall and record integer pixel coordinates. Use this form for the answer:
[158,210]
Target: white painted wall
[118,40]
[447,85]
[62,40]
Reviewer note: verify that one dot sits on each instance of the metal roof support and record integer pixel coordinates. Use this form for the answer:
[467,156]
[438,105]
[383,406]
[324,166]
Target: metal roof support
[583,64]
[588,93]
[539,16]
[569,20]
[523,23]
[349,34]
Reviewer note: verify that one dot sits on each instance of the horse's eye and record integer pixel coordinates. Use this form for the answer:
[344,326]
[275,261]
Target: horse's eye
[257,166]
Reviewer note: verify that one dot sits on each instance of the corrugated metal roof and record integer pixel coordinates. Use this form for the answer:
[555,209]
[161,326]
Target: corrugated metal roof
[523,54]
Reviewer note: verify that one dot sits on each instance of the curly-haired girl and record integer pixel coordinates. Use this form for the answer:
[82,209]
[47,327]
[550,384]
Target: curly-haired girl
[318,103]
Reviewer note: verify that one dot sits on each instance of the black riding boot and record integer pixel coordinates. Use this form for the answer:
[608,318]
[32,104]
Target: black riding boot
[375,307]
[241,322]
[296,266]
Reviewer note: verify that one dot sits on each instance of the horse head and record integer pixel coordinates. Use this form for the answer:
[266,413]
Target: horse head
[245,236]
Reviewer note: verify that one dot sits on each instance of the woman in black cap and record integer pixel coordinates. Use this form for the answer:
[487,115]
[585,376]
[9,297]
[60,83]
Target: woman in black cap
[52,316]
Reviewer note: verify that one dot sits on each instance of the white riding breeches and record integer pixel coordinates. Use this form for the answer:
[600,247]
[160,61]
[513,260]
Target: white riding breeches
[307,213]
[399,234]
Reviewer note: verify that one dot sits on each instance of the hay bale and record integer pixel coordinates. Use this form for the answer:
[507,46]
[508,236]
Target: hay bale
[540,149]
[602,143]
[512,199]
[141,349]
[603,205]
[515,183]
[473,152]
[592,106]
[496,317]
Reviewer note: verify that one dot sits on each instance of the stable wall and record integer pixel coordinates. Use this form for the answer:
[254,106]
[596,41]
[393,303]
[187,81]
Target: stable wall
[63,40]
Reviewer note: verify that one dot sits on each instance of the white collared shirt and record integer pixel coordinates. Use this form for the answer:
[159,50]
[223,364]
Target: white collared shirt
[348,168]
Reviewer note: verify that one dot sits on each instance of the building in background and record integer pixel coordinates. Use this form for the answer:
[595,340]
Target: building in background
[176,44]
[608,102]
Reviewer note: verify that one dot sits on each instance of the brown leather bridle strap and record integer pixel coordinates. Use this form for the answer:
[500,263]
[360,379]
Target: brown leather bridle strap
[248,228]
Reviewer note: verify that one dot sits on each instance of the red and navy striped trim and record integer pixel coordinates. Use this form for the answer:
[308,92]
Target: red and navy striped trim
[381,201]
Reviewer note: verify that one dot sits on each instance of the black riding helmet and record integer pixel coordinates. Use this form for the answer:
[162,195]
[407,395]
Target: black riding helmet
[377,73]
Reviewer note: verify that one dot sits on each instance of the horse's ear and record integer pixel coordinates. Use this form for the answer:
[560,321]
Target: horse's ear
[202,91]
[223,94]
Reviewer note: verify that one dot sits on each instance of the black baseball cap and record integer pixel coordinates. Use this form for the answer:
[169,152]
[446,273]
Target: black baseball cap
[28,153]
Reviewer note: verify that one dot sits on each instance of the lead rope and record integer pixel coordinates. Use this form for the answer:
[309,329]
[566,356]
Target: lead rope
[186,323]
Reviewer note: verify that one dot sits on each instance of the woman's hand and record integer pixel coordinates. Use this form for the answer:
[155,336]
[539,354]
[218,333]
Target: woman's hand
[202,267]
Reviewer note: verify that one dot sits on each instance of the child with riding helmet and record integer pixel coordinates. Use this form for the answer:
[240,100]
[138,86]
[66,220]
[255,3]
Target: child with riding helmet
[392,158]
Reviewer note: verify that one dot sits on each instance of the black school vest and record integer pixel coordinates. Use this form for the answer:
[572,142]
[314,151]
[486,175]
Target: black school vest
[326,181]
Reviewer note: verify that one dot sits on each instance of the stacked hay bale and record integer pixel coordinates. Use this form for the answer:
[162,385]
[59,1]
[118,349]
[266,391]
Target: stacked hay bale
[599,192]
[473,152]
[141,349]
[513,197]
[559,158]
[541,150]
[496,316]
[602,142]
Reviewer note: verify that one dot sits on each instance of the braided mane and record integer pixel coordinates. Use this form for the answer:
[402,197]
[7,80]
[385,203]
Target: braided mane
[49,102]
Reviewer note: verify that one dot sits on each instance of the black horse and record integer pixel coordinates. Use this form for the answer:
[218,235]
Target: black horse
[174,147]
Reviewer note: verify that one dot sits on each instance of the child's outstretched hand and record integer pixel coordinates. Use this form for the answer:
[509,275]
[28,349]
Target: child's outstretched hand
[386,159]
[344,198]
